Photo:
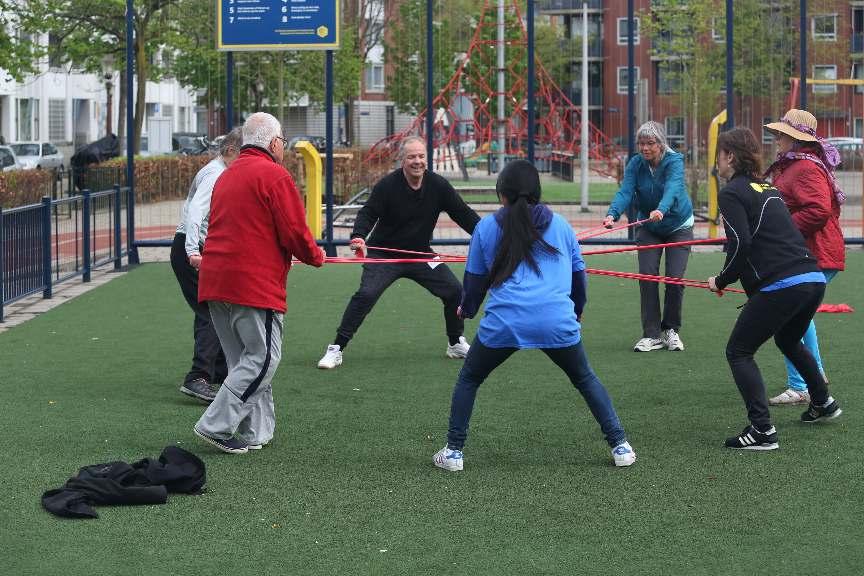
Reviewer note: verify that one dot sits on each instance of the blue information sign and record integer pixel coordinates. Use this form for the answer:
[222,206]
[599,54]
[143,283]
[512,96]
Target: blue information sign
[277,24]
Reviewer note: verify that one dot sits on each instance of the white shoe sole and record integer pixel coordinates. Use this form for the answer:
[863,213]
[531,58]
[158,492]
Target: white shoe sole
[213,442]
[449,468]
[837,413]
[324,366]
[628,462]
[761,447]
[660,346]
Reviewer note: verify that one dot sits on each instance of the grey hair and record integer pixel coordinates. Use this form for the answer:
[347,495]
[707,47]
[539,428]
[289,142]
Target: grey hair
[260,129]
[409,140]
[655,130]
[233,139]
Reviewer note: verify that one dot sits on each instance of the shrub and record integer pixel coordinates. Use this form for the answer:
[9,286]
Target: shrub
[23,187]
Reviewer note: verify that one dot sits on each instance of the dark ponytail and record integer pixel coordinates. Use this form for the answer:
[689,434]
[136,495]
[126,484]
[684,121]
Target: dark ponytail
[519,184]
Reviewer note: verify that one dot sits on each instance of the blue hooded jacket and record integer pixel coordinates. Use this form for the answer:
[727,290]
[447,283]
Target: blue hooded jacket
[664,190]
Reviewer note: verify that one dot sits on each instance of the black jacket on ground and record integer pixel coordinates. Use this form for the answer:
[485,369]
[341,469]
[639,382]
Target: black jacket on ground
[763,245]
[405,218]
[144,482]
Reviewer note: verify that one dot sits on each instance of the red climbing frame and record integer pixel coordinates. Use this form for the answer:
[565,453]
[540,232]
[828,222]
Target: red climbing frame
[558,120]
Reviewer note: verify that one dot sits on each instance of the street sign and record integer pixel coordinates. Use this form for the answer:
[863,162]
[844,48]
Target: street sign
[277,24]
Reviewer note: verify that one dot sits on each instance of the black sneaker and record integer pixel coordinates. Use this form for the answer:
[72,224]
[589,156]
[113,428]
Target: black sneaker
[816,413]
[752,439]
[231,445]
[200,389]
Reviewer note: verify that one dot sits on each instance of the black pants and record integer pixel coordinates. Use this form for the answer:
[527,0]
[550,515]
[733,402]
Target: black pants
[649,292]
[208,361]
[784,314]
[376,278]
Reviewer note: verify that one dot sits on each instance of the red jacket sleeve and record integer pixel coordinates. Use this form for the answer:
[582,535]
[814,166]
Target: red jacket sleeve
[809,198]
[290,219]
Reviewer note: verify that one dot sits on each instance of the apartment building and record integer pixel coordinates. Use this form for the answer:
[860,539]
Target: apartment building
[70,108]
[835,31]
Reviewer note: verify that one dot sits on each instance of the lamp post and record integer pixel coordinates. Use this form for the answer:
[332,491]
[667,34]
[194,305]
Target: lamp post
[108,77]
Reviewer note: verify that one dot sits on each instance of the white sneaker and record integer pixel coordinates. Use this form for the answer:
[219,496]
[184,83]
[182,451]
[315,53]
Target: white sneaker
[448,459]
[458,350]
[648,344]
[671,339]
[332,358]
[623,454]
[790,397]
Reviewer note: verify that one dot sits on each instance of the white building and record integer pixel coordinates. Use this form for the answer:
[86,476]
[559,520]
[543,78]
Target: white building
[70,109]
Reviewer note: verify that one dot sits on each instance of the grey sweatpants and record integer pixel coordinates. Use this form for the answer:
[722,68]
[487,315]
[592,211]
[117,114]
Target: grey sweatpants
[252,341]
[649,292]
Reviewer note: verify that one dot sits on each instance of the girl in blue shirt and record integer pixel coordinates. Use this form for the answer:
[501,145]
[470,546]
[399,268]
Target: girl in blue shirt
[528,261]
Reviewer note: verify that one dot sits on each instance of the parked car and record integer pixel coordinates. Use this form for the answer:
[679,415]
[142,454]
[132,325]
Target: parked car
[8,160]
[319,142]
[851,152]
[189,143]
[39,156]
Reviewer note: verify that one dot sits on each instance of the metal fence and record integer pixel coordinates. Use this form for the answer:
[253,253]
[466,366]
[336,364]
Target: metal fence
[56,240]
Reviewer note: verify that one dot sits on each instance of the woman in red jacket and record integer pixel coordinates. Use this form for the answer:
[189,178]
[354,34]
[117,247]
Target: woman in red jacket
[804,174]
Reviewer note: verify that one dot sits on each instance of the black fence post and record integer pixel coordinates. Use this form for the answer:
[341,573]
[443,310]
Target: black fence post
[85,234]
[46,246]
[2,267]
[118,252]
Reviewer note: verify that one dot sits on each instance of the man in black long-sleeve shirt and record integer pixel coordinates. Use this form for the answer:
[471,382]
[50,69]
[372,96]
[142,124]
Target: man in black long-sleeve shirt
[401,213]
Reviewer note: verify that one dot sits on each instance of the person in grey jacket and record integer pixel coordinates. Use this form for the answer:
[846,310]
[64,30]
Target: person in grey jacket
[208,361]
[654,182]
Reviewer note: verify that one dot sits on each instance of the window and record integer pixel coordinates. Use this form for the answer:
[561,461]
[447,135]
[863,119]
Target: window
[56,119]
[374,77]
[825,72]
[675,131]
[858,74]
[167,110]
[623,29]
[27,119]
[622,79]
[55,56]
[151,109]
[669,77]
[183,120]
[48,149]
[767,136]
[824,27]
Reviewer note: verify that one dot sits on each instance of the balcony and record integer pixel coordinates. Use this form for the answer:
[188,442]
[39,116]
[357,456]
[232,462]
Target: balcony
[563,6]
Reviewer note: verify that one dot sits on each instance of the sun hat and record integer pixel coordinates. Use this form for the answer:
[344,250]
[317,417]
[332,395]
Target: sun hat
[799,124]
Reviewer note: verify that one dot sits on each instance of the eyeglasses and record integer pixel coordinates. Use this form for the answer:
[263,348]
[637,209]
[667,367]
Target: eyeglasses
[284,141]
[646,143]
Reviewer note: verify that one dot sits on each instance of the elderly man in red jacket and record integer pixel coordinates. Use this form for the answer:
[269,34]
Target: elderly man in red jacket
[257,224]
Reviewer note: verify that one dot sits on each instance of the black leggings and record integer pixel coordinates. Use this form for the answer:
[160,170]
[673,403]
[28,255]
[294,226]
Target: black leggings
[785,315]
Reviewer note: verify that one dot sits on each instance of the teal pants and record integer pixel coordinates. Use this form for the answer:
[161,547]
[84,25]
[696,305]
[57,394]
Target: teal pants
[811,342]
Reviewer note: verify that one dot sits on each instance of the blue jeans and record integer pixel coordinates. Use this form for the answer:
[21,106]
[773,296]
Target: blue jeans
[794,380]
[481,361]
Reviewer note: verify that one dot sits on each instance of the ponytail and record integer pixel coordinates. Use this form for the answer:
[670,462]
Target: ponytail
[519,184]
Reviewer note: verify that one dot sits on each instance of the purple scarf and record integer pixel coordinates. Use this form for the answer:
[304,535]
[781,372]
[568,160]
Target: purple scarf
[827,158]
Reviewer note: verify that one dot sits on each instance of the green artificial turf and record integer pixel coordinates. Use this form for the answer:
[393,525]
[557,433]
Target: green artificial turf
[348,487]
[554,191]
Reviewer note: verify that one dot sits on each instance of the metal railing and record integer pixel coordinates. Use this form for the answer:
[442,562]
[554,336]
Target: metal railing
[50,242]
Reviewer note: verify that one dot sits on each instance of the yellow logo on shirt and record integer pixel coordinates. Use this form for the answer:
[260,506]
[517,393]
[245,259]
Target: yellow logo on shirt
[760,187]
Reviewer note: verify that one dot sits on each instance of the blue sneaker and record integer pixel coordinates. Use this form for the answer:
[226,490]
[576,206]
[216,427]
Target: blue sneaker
[448,459]
[231,445]
[623,454]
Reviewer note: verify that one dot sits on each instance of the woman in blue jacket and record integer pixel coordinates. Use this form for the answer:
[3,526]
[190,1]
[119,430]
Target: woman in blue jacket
[654,182]
[528,259]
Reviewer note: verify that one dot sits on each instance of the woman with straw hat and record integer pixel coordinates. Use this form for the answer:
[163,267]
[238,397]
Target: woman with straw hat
[804,174]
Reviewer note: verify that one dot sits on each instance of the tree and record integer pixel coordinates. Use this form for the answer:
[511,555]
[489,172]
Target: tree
[405,51]
[688,37]
[88,30]
[265,80]
[19,54]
